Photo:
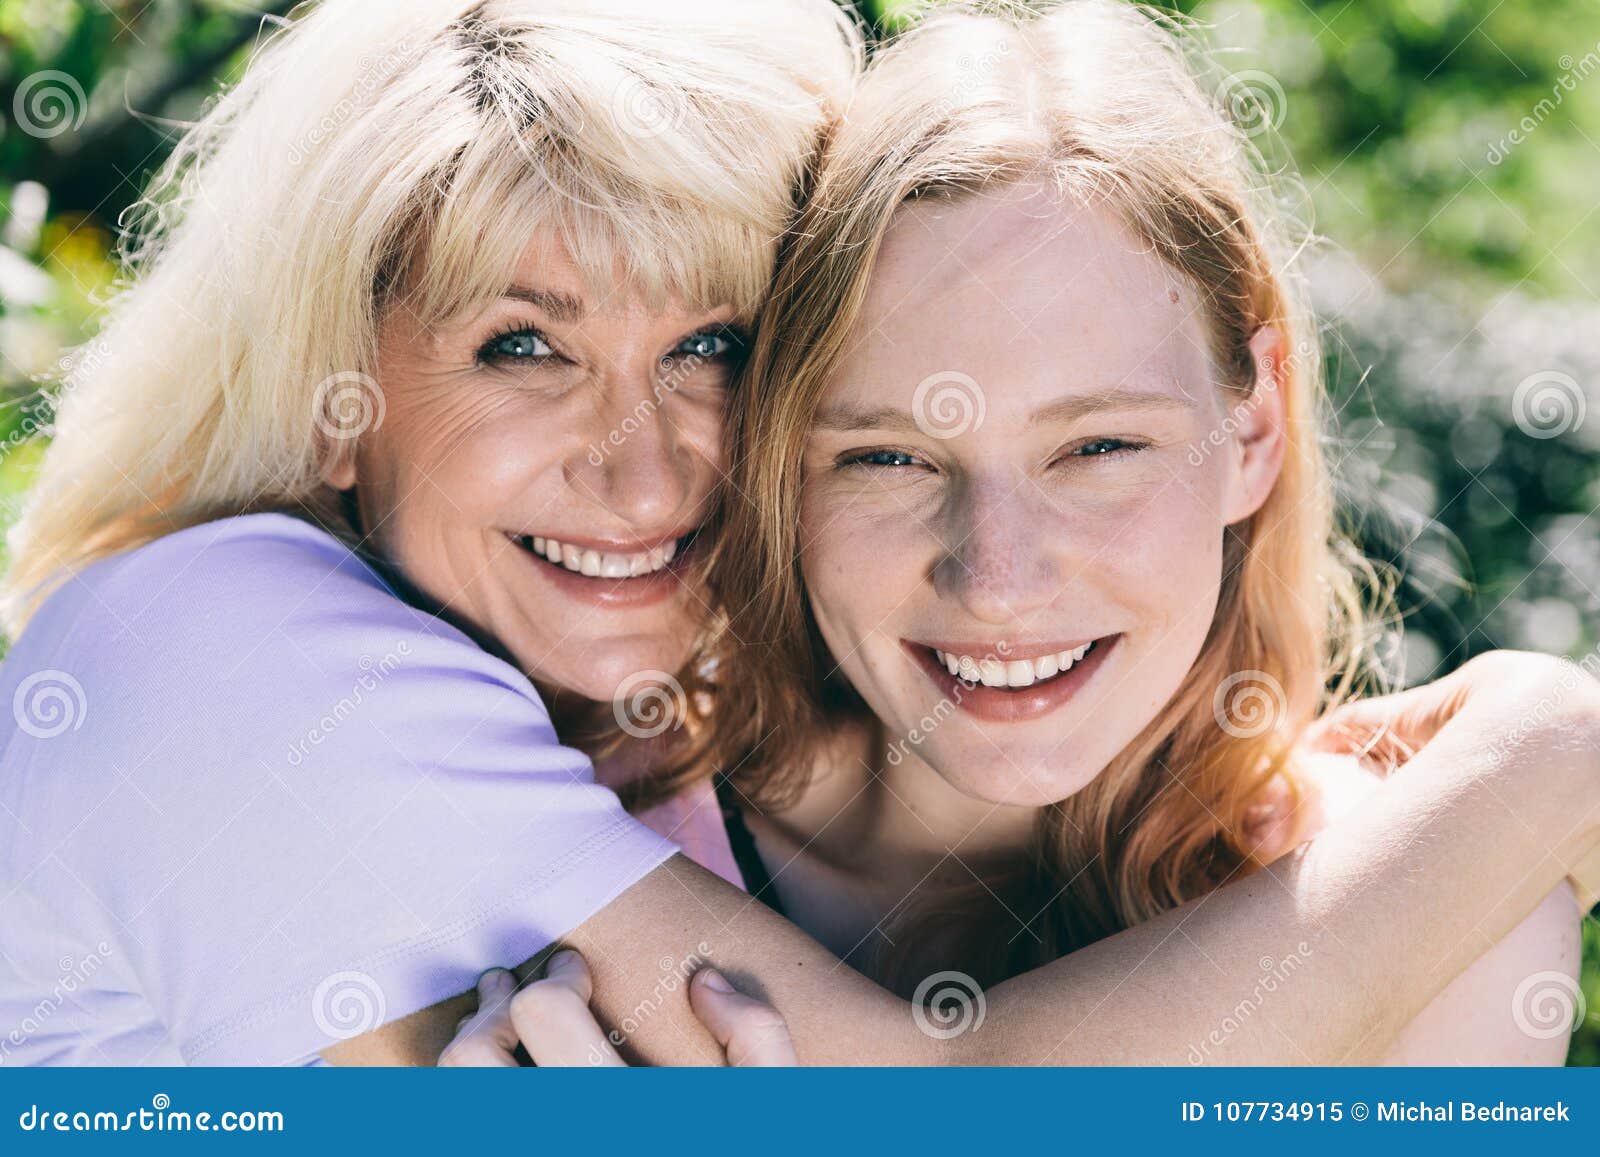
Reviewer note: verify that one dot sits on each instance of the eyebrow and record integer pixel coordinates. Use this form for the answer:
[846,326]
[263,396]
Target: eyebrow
[1121,399]
[562,307]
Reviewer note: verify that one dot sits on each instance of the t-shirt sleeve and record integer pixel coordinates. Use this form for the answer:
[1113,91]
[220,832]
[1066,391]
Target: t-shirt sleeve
[307,808]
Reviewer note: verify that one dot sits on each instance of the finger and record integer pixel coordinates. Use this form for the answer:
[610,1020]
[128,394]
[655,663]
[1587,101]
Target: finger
[1375,736]
[1391,727]
[553,1019]
[486,1039]
[751,1033]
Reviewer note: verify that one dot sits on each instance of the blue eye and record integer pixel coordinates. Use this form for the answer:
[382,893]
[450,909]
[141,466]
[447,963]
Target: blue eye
[1103,446]
[706,344]
[518,344]
[883,458]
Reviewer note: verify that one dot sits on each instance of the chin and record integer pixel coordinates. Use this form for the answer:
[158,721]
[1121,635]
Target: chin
[1051,779]
[606,670]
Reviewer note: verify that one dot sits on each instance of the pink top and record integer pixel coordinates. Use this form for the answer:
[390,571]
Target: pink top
[692,819]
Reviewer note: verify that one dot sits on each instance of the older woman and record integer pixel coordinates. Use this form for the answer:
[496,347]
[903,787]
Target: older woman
[996,629]
[390,467]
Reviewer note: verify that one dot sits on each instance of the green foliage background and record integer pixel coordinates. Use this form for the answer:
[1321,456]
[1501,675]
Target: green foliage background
[1459,265]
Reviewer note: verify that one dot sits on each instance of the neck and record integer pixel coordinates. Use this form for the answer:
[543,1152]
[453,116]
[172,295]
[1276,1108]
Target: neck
[891,816]
[921,812]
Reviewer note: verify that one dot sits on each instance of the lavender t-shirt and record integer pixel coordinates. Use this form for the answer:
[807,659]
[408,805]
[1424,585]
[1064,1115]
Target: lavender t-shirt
[254,804]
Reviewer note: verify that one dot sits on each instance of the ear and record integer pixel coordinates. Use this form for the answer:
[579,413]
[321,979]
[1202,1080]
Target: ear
[1258,436]
[337,464]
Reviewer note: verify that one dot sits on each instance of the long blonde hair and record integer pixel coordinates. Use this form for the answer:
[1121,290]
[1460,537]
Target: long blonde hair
[1105,100]
[370,140]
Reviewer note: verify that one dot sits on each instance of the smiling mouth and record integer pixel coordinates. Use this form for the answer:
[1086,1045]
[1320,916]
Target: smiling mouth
[612,566]
[1003,684]
[1011,674]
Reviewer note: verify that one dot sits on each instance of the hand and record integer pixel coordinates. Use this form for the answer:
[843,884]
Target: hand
[1510,701]
[552,1020]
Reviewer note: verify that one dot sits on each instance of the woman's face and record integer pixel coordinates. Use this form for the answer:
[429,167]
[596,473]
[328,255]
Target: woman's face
[539,469]
[1024,467]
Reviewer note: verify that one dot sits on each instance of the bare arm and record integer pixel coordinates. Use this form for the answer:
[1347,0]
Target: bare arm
[1514,1004]
[1468,839]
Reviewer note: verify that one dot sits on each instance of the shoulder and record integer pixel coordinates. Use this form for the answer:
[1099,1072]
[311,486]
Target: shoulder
[207,583]
[231,639]
[1497,1011]
[227,594]
[256,565]
[1514,1005]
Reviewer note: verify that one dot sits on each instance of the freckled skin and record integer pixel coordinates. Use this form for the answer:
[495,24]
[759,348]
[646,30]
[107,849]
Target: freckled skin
[1006,531]
[467,453]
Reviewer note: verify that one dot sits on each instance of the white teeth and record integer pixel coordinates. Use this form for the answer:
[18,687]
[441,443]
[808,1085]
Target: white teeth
[600,564]
[1012,672]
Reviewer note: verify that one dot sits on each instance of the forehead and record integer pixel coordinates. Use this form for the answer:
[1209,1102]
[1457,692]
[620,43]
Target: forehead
[565,288]
[1027,292]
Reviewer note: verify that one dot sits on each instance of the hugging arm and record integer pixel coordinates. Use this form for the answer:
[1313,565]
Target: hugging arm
[1465,841]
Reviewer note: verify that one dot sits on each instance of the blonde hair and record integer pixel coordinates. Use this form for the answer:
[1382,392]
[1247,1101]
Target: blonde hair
[379,155]
[1104,100]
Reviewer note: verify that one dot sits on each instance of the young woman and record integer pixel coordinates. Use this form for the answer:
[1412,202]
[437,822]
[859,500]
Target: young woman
[440,292]
[413,404]
[1032,578]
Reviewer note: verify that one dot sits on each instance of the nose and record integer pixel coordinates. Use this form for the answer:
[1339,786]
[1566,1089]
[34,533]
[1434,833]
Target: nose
[637,463]
[1003,557]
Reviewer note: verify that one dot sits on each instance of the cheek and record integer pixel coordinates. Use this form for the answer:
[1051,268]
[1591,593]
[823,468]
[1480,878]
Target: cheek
[479,448]
[858,566]
[1165,557]
[700,425]
[491,467]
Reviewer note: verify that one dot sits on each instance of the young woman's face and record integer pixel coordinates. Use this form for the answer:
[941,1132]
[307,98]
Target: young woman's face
[1025,454]
[553,426]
